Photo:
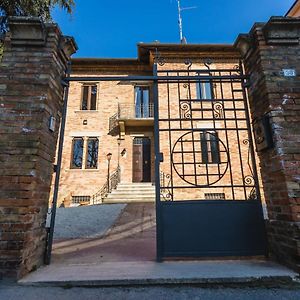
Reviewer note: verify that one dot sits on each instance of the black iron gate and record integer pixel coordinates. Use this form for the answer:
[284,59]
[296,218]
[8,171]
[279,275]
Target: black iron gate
[207,194]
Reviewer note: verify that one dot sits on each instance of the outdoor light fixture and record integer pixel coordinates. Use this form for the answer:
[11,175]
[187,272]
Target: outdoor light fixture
[123,152]
[108,156]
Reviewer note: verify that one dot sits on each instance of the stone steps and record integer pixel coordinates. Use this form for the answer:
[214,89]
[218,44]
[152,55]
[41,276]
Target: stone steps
[132,193]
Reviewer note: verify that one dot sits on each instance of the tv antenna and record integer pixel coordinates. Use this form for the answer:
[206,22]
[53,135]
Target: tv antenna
[180,9]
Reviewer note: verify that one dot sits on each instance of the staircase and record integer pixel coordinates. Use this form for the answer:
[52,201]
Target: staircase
[132,193]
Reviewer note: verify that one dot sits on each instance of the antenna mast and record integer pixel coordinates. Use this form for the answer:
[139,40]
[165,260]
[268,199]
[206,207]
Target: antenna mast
[180,9]
[180,21]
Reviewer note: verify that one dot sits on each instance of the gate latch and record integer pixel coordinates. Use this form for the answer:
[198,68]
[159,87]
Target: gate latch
[161,157]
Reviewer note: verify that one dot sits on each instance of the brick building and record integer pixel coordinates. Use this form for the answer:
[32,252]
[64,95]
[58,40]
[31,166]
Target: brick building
[294,11]
[113,120]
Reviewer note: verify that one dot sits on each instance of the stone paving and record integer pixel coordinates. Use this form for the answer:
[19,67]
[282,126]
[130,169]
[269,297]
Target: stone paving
[131,238]
[125,255]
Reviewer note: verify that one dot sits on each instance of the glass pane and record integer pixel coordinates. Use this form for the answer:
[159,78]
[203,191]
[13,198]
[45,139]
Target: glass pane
[145,101]
[214,144]
[84,100]
[77,153]
[92,153]
[204,150]
[198,90]
[207,92]
[204,90]
[138,101]
[93,97]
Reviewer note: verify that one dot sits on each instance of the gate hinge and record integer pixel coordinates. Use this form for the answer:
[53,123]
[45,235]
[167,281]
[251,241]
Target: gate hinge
[246,83]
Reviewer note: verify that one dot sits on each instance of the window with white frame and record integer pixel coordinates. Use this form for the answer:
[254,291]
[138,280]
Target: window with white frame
[89,146]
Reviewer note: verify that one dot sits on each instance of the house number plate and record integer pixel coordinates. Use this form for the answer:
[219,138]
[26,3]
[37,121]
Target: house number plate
[289,72]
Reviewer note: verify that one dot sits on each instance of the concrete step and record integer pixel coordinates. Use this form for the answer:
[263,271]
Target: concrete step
[129,196]
[132,193]
[212,273]
[119,194]
[138,184]
[135,188]
[129,200]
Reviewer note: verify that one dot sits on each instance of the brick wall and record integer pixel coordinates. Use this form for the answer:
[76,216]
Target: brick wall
[269,49]
[33,64]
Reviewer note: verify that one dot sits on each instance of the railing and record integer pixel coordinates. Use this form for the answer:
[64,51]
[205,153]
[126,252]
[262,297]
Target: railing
[165,184]
[113,122]
[107,188]
[132,111]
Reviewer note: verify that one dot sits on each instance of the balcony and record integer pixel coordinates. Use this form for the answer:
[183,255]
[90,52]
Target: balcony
[135,112]
[131,115]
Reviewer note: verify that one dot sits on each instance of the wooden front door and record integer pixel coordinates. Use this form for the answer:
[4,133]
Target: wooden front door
[141,160]
[137,162]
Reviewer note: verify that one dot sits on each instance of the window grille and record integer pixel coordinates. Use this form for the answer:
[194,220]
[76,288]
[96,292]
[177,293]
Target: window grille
[214,196]
[80,199]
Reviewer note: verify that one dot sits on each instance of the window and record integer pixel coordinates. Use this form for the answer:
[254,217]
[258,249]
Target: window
[143,108]
[80,199]
[89,97]
[210,148]
[214,196]
[204,90]
[92,153]
[90,147]
[77,153]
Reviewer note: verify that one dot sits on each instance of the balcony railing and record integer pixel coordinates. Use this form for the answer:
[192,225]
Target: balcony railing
[132,111]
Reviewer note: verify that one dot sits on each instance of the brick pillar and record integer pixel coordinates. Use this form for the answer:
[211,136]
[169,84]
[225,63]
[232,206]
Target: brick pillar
[271,57]
[33,65]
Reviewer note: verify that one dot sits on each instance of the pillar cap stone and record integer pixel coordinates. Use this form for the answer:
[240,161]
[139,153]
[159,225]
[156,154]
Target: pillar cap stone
[277,31]
[27,31]
[32,31]
[243,43]
[282,30]
[68,46]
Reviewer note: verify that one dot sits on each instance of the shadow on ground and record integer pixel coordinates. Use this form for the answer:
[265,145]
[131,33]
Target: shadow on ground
[131,238]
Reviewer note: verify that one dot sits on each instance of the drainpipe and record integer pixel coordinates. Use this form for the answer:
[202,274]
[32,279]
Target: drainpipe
[57,168]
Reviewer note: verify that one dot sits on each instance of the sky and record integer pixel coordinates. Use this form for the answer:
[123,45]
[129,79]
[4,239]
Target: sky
[112,28]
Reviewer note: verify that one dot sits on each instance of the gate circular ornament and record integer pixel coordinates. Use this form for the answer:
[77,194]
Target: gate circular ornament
[200,158]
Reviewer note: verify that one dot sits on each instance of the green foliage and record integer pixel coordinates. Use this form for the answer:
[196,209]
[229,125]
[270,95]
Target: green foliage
[35,8]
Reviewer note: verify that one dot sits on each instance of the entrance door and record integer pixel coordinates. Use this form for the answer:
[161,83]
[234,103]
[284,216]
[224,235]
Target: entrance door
[141,160]
[207,193]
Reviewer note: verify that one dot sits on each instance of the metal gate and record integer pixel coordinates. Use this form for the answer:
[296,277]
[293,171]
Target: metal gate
[207,194]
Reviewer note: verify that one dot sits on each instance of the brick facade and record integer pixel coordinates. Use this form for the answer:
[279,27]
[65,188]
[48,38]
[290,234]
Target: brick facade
[110,94]
[268,50]
[33,64]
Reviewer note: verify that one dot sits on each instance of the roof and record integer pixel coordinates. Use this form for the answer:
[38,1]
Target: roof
[145,50]
[294,8]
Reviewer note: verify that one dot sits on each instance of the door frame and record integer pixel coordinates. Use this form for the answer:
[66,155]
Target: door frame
[142,149]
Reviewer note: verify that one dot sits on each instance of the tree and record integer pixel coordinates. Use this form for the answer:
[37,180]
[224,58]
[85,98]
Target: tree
[34,8]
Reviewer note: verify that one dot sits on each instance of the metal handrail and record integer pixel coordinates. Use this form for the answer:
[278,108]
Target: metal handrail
[133,111]
[107,188]
[113,122]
